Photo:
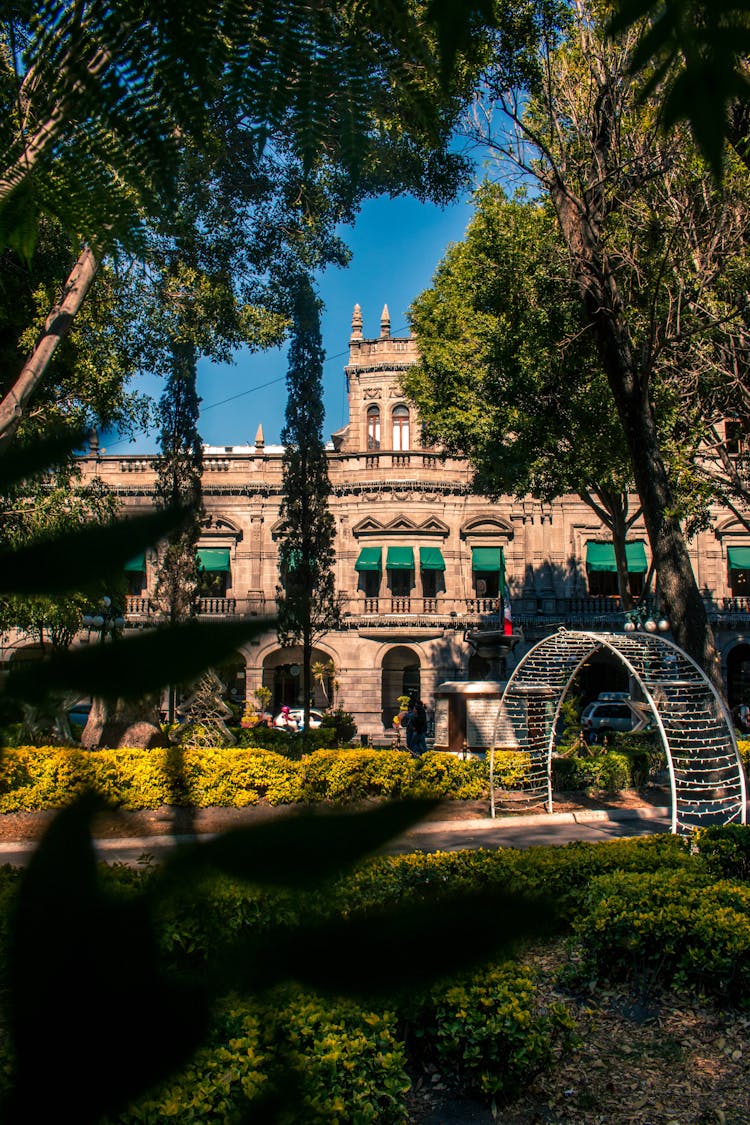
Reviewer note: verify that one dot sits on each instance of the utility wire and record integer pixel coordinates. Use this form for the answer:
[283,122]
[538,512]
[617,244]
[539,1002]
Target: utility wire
[260,387]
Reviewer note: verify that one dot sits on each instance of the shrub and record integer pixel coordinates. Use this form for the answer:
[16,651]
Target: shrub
[444,775]
[50,777]
[341,724]
[666,928]
[219,1083]
[350,775]
[567,774]
[611,771]
[488,1033]
[725,850]
[349,1062]
[512,767]
[344,1064]
[743,745]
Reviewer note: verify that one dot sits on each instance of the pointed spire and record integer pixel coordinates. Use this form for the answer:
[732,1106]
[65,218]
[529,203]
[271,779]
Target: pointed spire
[385,323]
[260,441]
[357,323]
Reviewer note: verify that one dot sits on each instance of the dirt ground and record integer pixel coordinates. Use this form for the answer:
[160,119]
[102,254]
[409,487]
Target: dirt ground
[19,826]
[659,1060]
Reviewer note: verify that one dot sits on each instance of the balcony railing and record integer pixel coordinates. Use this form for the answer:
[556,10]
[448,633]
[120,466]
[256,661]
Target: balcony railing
[528,610]
[140,607]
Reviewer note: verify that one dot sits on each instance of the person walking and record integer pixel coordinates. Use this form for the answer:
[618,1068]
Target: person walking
[418,725]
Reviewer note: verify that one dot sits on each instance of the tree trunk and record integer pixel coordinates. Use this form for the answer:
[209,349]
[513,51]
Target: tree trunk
[606,314]
[619,533]
[125,723]
[306,677]
[57,325]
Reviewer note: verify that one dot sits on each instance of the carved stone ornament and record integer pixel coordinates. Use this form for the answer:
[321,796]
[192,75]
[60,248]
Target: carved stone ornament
[371,392]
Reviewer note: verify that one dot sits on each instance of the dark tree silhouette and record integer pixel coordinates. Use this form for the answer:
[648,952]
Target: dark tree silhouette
[307,600]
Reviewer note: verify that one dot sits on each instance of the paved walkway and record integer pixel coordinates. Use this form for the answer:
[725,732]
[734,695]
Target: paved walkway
[431,836]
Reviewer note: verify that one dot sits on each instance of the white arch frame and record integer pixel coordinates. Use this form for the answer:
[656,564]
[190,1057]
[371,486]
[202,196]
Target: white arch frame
[707,780]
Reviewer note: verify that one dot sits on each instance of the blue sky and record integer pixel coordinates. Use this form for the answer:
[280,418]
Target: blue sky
[396,245]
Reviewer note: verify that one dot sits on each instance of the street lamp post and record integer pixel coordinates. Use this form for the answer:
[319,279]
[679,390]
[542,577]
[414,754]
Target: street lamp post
[107,622]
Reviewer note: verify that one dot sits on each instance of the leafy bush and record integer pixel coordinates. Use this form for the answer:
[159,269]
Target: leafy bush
[666,927]
[610,770]
[743,745]
[349,775]
[444,775]
[218,1084]
[50,777]
[343,1064]
[512,767]
[349,1062]
[341,724]
[725,850]
[488,1032]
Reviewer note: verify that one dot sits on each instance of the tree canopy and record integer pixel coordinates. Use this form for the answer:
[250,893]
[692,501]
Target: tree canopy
[509,374]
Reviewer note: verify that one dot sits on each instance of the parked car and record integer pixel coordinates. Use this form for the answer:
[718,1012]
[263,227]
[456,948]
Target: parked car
[298,715]
[614,711]
[78,713]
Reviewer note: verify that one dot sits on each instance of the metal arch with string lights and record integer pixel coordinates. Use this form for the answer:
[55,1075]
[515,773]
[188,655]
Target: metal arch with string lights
[707,780]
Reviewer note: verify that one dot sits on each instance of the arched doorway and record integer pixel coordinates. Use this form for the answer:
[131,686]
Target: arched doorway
[401,675]
[738,675]
[282,674]
[706,775]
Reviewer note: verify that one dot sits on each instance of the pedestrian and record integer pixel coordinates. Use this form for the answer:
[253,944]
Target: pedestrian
[741,716]
[284,721]
[419,728]
[408,723]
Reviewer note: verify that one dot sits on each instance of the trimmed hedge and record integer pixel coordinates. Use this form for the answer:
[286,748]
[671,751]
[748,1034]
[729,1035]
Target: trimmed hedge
[50,777]
[666,928]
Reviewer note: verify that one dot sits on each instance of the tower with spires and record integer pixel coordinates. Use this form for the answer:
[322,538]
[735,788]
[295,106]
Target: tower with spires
[380,418]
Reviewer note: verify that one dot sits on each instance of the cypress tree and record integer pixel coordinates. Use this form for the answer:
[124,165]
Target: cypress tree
[179,485]
[307,603]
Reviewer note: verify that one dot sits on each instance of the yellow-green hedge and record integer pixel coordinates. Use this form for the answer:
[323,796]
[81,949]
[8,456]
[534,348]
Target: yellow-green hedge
[49,777]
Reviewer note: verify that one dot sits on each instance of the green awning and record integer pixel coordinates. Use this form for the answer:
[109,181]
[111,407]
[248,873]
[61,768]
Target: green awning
[369,559]
[431,558]
[601,556]
[488,559]
[739,558]
[137,564]
[213,559]
[400,558]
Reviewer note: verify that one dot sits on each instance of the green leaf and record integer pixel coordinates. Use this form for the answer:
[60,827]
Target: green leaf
[388,951]
[94,1020]
[72,561]
[455,24]
[138,665]
[301,848]
[21,463]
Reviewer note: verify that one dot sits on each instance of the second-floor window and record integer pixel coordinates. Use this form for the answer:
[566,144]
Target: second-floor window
[601,568]
[373,427]
[739,571]
[135,574]
[400,429]
[213,572]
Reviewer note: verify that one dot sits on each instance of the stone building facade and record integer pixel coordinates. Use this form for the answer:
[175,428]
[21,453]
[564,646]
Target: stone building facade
[420,558]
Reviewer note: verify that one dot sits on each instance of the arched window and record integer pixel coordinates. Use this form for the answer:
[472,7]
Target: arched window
[400,428]
[373,427]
